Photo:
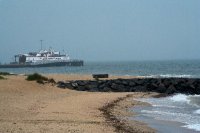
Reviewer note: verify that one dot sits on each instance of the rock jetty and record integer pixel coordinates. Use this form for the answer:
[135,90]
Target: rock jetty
[160,85]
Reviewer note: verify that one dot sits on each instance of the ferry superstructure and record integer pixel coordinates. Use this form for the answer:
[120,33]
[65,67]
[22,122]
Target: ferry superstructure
[43,58]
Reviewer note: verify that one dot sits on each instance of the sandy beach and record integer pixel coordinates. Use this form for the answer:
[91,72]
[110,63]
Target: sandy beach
[29,107]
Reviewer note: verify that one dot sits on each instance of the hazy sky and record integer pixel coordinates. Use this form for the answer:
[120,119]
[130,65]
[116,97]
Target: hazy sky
[98,30]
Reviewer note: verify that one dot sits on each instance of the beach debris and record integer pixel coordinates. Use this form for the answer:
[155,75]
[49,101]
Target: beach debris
[98,76]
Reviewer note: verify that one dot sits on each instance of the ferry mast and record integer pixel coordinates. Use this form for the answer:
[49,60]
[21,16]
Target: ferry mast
[41,43]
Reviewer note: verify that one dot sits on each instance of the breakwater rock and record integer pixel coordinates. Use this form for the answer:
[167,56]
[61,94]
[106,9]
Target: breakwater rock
[160,85]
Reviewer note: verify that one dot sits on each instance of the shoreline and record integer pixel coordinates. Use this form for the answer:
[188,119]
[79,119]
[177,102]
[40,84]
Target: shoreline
[117,113]
[33,107]
[170,114]
[46,106]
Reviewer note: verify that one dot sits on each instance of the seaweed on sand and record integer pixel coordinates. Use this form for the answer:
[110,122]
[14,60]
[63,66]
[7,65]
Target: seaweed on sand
[5,73]
[36,77]
[40,79]
[1,77]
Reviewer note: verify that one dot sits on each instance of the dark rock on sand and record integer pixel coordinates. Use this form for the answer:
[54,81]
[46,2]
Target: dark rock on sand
[161,88]
[81,83]
[132,84]
[74,85]
[106,89]
[171,90]
[61,84]
[161,85]
[140,88]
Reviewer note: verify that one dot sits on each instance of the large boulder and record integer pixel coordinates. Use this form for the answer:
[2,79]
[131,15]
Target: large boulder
[140,88]
[106,89]
[82,83]
[139,81]
[167,82]
[171,89]
[68,85]
[125,82]
[101,86]
[132,84]
[61,84]
[81,88]
[161,88]
[91,86]
[74,85]
[152,86]
[118,81]
[117,87]
[132,89]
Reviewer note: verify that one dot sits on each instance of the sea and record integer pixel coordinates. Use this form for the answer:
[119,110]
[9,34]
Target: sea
[178,113]
[174,114]
[175,68]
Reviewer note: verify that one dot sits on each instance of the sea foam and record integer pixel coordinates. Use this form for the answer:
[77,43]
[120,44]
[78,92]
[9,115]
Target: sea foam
[175,75]
[197,111]
[195,127]
[178,108]
[180,98]
[169,76]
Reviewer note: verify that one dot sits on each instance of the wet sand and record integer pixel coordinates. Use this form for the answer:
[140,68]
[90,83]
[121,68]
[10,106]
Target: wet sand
[29,107]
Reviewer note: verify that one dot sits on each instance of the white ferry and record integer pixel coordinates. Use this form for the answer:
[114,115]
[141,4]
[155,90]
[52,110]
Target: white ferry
[43,58]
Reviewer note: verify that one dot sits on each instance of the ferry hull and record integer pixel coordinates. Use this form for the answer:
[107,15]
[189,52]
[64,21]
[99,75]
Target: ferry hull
[53,64]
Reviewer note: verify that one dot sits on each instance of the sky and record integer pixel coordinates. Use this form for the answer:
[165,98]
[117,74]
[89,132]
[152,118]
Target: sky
[102,30]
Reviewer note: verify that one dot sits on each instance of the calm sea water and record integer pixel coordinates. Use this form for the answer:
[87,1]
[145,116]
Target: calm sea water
[190,68]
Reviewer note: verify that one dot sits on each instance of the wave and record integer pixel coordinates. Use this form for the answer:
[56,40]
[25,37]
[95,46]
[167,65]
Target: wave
[197,111]
[179,108]
[168,106]
[193,100]
[177,76]
[180,98]
[195,127]
[172,101]
[169,76]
